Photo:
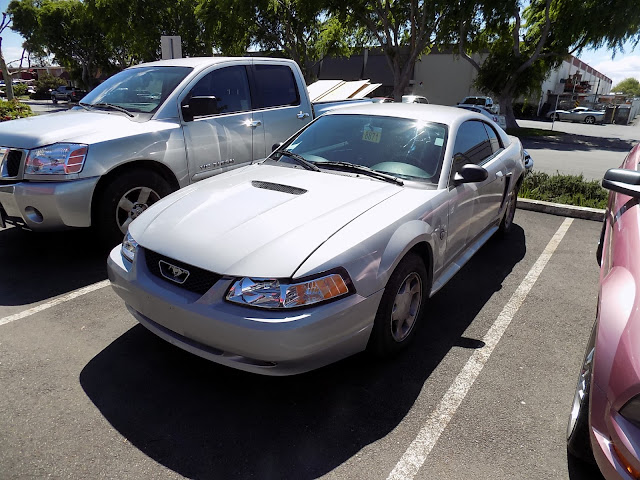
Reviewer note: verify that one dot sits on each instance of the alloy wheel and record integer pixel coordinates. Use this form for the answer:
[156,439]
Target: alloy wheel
[132,204]
[406,307]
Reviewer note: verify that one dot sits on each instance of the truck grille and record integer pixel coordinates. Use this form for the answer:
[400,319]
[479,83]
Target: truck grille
[10,160]
[198,281]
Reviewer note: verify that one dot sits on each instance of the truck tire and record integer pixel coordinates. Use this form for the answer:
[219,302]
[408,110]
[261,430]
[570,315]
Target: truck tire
[124,198]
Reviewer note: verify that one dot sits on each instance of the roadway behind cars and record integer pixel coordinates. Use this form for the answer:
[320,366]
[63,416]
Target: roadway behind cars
[89,393]
[589,150]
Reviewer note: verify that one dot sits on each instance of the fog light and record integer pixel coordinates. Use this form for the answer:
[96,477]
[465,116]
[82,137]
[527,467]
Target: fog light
[33,214]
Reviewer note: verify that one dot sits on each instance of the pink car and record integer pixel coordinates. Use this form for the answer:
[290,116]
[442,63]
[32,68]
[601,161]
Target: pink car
[605,418]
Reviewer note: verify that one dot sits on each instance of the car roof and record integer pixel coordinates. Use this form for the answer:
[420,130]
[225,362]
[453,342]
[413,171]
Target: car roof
[196,62]
[417,111]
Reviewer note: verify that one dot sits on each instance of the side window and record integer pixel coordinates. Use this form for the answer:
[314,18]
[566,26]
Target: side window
[496,145]
[229,86]
[277,86]
[472,145]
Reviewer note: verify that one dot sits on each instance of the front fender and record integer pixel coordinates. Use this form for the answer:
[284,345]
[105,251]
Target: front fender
[406,237]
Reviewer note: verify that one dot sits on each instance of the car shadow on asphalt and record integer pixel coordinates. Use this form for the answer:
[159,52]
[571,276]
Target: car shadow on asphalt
[572,142]
[37,265]
[204,421]
[579,470]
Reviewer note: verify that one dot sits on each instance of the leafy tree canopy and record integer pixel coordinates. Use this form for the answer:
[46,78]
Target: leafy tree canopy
[629,86]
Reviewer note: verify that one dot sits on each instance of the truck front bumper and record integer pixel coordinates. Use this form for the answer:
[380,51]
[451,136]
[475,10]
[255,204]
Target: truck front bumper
[47,205]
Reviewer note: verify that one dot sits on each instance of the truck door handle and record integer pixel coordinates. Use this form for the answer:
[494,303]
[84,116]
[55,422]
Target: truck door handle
[302,115]
[254,123]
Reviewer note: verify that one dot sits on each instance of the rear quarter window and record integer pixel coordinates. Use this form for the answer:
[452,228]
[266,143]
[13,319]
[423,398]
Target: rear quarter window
[277,86]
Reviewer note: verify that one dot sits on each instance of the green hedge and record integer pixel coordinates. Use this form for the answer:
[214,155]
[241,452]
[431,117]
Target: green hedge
[13,109]
[567,189]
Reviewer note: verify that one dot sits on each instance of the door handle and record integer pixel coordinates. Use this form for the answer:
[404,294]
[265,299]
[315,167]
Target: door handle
[302,115]
[499,174]
[254,123]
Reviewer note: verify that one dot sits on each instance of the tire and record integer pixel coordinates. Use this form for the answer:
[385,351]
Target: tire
[590,120]
[401,307]
[126,197]
[54,99]
[506,224]
[555,116]
[578,437]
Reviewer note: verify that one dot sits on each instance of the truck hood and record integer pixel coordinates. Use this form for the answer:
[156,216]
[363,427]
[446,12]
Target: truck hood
[77,126]
[258,221]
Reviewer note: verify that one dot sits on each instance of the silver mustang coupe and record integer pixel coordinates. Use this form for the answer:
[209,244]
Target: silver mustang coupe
[330,246]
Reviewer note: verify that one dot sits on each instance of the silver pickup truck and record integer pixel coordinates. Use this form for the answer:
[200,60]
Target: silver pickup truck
[143,133]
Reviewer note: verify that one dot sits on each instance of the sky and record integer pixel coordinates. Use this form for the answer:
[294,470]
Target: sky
[625,64]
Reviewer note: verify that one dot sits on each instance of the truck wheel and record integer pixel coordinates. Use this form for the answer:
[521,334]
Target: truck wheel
[402,305]
[124,199]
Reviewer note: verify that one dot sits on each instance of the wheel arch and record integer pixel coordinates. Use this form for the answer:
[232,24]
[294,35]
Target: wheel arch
[412,237]
[149,165]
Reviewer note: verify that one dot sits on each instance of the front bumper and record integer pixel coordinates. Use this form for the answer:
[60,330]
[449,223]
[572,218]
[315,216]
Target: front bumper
[48,205]
[613,439]
[259,341]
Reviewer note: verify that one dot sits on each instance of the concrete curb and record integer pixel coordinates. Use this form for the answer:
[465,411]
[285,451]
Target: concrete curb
[584,213]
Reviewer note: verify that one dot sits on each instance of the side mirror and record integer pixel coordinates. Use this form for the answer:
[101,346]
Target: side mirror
[199,107]
[622,181]
[471,173]
[275,146]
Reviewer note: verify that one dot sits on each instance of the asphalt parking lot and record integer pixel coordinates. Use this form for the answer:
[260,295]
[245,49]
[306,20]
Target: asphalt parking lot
[484,392]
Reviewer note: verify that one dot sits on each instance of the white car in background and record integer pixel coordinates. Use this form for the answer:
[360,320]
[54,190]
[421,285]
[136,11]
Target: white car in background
[499,119]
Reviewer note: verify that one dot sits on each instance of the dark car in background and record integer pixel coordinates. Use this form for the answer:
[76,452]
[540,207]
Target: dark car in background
[67,93]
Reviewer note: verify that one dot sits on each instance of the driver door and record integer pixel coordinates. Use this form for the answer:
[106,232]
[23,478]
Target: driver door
[220,135]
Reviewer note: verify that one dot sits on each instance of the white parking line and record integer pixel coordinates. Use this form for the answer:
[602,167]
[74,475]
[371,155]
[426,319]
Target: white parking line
[420,448]
[53,303]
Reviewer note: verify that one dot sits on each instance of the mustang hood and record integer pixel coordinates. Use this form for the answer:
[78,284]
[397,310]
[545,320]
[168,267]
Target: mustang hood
[258,221]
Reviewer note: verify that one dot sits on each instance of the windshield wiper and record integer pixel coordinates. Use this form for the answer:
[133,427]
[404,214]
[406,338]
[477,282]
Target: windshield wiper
[86,106]
[300,159]
[353,167]
[112,107]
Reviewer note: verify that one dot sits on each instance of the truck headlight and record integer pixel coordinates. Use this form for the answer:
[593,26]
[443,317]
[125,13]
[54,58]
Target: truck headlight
[129,247]
[56,159]
[276,294]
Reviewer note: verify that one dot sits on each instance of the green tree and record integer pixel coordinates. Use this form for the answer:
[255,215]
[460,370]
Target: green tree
[301,30]
[629,86]
[403,29]
[523,43]
[65,28]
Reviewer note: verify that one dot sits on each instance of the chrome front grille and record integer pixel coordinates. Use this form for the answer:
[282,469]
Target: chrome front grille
[10,161]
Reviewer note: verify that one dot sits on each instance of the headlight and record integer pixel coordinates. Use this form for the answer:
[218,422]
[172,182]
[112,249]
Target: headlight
[274,293]
[56,159]
[129,247]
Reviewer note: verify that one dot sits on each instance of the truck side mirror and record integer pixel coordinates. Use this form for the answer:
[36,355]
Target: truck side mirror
[200,107]
[275,146]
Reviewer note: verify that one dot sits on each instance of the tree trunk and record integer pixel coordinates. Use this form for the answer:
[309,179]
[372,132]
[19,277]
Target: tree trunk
[8,85]
[506,109]
[401,79]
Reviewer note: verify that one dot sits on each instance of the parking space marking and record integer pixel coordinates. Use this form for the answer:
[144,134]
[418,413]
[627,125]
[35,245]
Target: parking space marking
[53,303]
[426,439]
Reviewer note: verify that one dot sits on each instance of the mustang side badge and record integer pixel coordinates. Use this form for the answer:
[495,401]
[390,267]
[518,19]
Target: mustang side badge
[173,273]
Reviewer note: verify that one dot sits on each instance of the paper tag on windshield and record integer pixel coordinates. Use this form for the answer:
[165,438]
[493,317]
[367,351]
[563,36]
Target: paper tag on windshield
[439,142]
[372,134]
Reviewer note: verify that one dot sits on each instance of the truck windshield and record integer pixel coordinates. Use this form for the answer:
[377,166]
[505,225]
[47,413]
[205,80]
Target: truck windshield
[140,90]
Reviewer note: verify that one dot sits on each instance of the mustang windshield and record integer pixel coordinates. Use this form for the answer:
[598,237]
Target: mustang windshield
[404,148]
[138,90]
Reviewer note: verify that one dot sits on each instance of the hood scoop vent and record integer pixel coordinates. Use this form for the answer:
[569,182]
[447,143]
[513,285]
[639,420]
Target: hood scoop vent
[276,187]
